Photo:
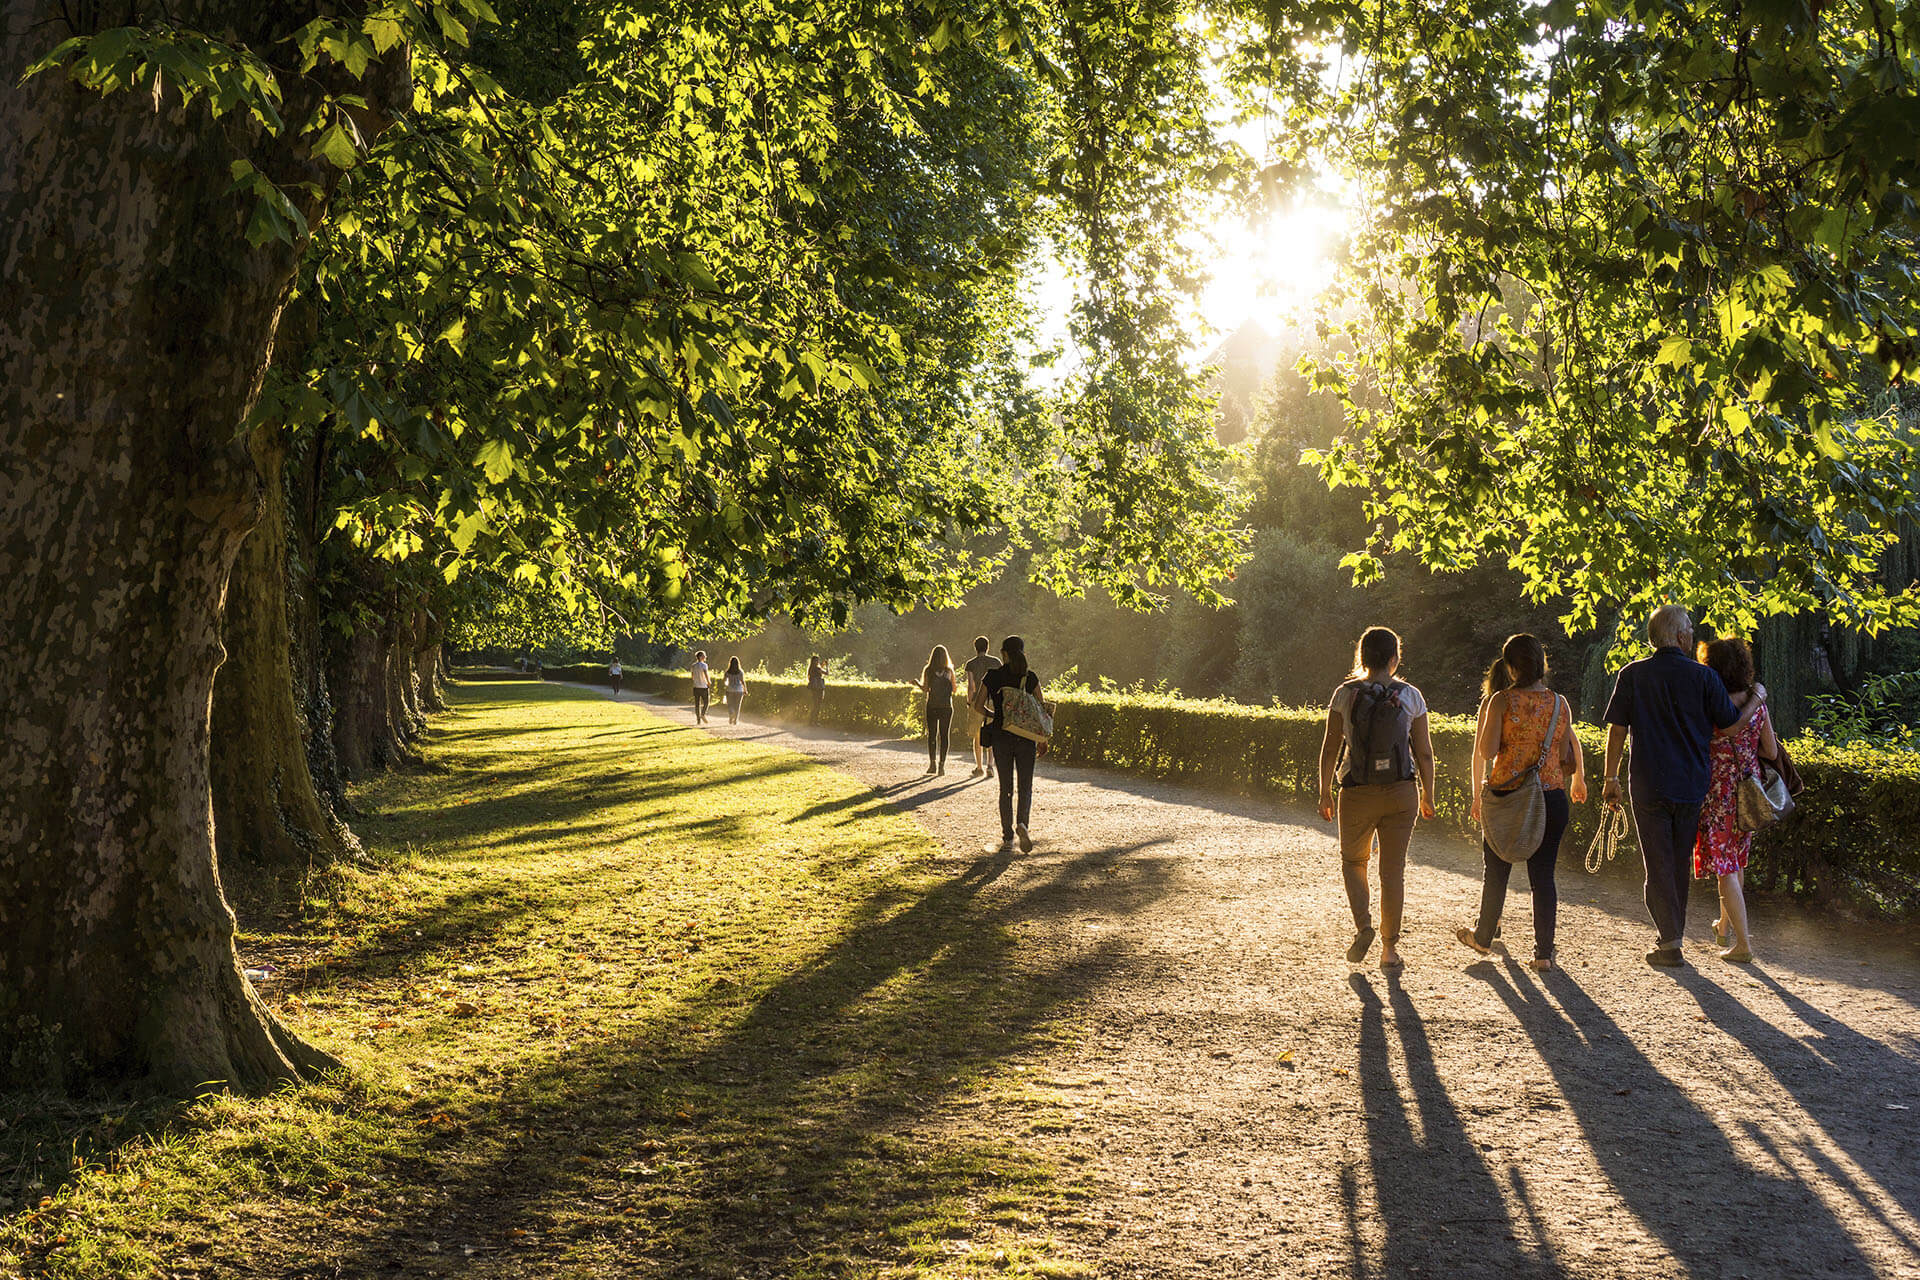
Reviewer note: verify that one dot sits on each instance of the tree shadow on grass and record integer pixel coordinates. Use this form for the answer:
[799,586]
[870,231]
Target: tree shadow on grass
[1441,1207]
[1657,1145]
[807,1127]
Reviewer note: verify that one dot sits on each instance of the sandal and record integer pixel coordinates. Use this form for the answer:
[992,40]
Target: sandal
[1719,934]
[1470,942]
[1362,943]
[1542,964]
[1394,961]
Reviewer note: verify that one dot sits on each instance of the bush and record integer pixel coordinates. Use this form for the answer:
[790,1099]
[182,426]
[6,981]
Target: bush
[1848,837]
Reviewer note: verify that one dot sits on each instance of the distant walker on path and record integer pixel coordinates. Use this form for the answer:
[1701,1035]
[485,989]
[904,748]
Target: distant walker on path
[613,677]
[736,688]
[978,666]
[1013,753]
[937,681]
[817,686]
[1671,707]
[702,686]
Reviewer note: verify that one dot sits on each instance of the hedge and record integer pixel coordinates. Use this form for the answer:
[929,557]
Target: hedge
[1849,837]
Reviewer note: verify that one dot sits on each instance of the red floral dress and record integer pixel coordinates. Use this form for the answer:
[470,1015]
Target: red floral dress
[1721,848]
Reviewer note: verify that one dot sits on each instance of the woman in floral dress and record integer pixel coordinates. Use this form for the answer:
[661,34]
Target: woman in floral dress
[1721,848]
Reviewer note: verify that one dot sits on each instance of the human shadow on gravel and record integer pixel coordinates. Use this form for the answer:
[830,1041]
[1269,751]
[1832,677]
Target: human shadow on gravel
[1440,1206]
[814,1124]
[1840,1083]
[1668,1160]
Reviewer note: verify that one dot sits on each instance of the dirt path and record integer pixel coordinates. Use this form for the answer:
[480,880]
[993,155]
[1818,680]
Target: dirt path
[1246,1103]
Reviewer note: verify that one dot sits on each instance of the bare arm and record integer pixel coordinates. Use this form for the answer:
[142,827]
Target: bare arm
[1486,745]
[1422,742]
[1329,757]
[1575,756]
[1769,741]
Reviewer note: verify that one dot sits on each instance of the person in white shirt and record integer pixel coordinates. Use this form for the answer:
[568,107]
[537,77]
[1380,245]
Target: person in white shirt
[613,677]
[702,687]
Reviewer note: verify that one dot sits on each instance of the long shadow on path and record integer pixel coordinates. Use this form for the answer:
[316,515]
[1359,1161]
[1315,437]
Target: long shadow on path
[1442,1211]
[1657,1146]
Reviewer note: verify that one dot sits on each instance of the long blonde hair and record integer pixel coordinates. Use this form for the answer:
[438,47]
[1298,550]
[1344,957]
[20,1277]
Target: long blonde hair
[936,661]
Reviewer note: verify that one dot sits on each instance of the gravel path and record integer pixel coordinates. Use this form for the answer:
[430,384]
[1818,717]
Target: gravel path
[1246,1103]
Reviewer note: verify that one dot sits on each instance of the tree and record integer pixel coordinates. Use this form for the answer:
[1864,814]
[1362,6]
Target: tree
[1638,275]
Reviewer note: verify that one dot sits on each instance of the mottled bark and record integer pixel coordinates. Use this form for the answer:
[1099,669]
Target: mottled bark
[431,663]
[365,735]
[266,809]
[403,679]
[135,324]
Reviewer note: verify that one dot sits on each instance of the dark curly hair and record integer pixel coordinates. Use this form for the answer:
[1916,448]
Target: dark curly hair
[1731,660]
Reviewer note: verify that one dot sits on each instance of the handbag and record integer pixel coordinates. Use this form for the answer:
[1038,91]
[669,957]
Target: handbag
[1789,775]
[1759,803]
[1023,713]
[1513,822]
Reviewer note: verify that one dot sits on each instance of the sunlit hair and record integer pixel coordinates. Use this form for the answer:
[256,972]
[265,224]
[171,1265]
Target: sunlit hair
[1731,660]
[1525,659]
[1013,651]
[1667,624]
[980,644]
[733,665]
[699,655]
[936,661]
[1378,647]
[1496,680]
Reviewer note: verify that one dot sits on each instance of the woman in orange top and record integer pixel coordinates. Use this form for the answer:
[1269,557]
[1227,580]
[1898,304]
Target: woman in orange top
[1514,723]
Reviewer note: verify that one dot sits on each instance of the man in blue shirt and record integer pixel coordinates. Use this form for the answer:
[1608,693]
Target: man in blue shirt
[1673,707]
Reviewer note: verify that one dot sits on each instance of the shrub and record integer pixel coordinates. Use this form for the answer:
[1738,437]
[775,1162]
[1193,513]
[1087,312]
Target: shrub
[1849,835]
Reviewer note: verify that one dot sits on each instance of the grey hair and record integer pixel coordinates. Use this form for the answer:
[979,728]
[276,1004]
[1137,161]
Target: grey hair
[1667,624]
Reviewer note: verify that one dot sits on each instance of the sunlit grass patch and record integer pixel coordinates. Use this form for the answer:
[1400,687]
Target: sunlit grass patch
[617,997]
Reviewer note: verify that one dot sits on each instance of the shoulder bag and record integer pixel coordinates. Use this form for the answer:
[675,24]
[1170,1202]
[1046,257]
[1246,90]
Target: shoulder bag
[1513,821]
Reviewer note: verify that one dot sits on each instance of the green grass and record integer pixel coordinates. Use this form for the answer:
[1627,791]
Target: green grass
[618,998]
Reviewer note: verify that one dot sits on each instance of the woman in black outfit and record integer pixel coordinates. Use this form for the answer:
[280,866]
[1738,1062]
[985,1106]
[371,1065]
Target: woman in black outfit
[1013,755]
[936,681]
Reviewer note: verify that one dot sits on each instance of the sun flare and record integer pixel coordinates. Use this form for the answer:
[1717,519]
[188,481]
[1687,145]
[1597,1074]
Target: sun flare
[1271,271]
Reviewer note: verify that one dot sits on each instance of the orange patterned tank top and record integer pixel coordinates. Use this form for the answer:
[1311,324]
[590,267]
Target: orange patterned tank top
[1523,732]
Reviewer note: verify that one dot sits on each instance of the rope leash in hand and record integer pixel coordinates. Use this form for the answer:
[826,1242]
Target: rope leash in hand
[1606,840]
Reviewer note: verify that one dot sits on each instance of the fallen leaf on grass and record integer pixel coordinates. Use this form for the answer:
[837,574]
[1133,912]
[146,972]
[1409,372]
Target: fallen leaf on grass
[465,1009]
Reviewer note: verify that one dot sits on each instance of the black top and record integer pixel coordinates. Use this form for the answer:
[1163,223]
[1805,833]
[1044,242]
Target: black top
[998,679]
[1670,705]
[940,689]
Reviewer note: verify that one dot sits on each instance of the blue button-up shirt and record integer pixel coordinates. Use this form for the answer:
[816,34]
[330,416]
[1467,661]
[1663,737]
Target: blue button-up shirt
[1671,706]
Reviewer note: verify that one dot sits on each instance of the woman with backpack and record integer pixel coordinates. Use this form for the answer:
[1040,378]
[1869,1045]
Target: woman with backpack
[1378,746]
[1013,754]
[936,681]
[736,685]
[1524,725]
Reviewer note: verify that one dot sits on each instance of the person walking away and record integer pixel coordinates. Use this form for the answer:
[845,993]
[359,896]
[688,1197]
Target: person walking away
[936,681]
[1721,848]
[1377,736]
[1013,754]
[1671,708]
[1517,722]
[702,686]
[736,683]
[613,677]
[977,668]
[817,686]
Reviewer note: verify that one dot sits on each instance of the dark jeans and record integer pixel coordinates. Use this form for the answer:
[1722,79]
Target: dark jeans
[939,730]
[1013,754]
[700,699]
[1540,867]
[1666,832]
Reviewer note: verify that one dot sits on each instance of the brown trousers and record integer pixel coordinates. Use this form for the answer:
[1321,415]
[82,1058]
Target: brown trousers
[1388,812]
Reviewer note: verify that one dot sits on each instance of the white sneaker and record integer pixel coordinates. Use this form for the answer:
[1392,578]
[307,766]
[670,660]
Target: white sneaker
[1026,841]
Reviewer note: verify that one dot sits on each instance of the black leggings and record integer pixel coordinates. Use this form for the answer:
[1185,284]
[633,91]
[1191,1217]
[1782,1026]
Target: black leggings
[1015,756]
[939,730]
[1540,867]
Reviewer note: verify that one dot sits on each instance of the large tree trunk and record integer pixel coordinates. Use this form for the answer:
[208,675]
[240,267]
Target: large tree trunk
[365,734]
[135,324]
[266,810]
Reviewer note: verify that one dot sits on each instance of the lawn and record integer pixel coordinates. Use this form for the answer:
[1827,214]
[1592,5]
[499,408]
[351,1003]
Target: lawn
[614,998]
